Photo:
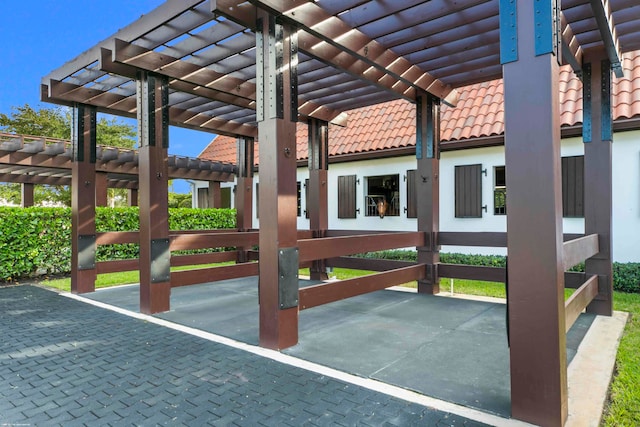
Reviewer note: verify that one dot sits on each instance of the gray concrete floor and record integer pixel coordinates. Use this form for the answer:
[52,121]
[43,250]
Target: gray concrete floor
[448,348]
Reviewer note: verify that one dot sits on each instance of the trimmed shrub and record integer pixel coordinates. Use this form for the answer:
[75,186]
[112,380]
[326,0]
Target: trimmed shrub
[35,241]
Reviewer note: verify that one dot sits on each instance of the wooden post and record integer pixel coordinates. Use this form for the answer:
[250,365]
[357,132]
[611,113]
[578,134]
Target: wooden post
[244,191]
[153,132]
[317,203]
[101,189]
[27,195]
[83,200]
[132,197]
[598,136]
[215,198]
[428,188]
[534,206]
[277,110]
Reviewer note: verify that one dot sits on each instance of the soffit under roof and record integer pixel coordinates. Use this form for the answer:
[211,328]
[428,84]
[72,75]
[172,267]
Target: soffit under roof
[210,59]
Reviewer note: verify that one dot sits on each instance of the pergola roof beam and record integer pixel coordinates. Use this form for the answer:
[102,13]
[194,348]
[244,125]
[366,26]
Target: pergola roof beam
[127,106]
[604,18]
[206,82]
[333,30]
[571,49]
[33,179]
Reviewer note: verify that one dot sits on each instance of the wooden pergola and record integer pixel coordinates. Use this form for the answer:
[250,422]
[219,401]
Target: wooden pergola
[37,160]
[252,69]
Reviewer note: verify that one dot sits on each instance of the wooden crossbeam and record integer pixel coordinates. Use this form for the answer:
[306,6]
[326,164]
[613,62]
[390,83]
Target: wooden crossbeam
[604,17]
[313,296]
[577,302]
[577,250]
[34,179]
[328,247]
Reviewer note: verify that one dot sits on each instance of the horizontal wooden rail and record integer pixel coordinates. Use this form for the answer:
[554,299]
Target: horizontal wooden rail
[472,272]
[117,237]
[329,247]
[117,266]
[214,274]
[339,233]
[484,239]
[212,240]
[367,263]
[182,260]
[577,250]
[316,295]
[215,230]
[579,300]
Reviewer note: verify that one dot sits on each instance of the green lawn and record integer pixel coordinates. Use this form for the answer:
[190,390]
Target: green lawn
[624,405]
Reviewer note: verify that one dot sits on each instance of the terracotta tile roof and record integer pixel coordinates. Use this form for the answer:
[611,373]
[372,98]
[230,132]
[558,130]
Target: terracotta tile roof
[479,113]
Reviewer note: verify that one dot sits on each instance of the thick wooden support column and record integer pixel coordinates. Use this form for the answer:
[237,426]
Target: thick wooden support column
[244,191]
[428,188]
[534,222]
[317,203]
[215,198]
[132,197]
[598,136]
[153,131]
[83,200]
[27,195]
[277,110]
[101,189]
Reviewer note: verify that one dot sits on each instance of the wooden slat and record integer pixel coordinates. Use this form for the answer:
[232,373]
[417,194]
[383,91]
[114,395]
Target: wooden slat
[103,267]
[214,274]
[577,250]
[212,240]
[339,233]
[367,264]
[117,237]
[181,260]
[472,272]
[312,249]
[313,296]
[215,230]
[579,300]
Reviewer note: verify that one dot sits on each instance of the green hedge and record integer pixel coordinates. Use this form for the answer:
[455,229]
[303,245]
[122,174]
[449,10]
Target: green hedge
[35,241]
[626,276]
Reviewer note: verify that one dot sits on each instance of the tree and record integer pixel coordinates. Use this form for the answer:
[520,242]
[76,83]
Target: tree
[56,123]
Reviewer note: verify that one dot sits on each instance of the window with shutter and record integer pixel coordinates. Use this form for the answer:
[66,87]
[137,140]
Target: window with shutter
[573,186]
[347,196]
[412,195]
[468,191]
[306,198]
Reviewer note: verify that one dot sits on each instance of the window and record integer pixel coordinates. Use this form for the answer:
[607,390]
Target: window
[203,198]
[347,196]
[225,197]
[257,200]
[468,191]
[412,194]
[573,186]
[382,195]
[499,191]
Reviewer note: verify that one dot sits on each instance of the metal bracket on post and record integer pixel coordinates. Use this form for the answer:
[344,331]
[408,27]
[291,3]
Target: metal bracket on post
[288,277]
[508,31]
[547,31]
[86,252]
[586,103]
[605,87]
[160,261]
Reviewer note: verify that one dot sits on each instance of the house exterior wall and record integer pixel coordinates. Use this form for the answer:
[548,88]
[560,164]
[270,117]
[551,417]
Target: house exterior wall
[626,194]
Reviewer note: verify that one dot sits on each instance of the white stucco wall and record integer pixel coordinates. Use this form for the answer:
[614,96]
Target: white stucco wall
[626,195]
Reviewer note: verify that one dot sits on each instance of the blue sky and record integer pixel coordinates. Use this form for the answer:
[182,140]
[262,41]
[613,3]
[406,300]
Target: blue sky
[38,36]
